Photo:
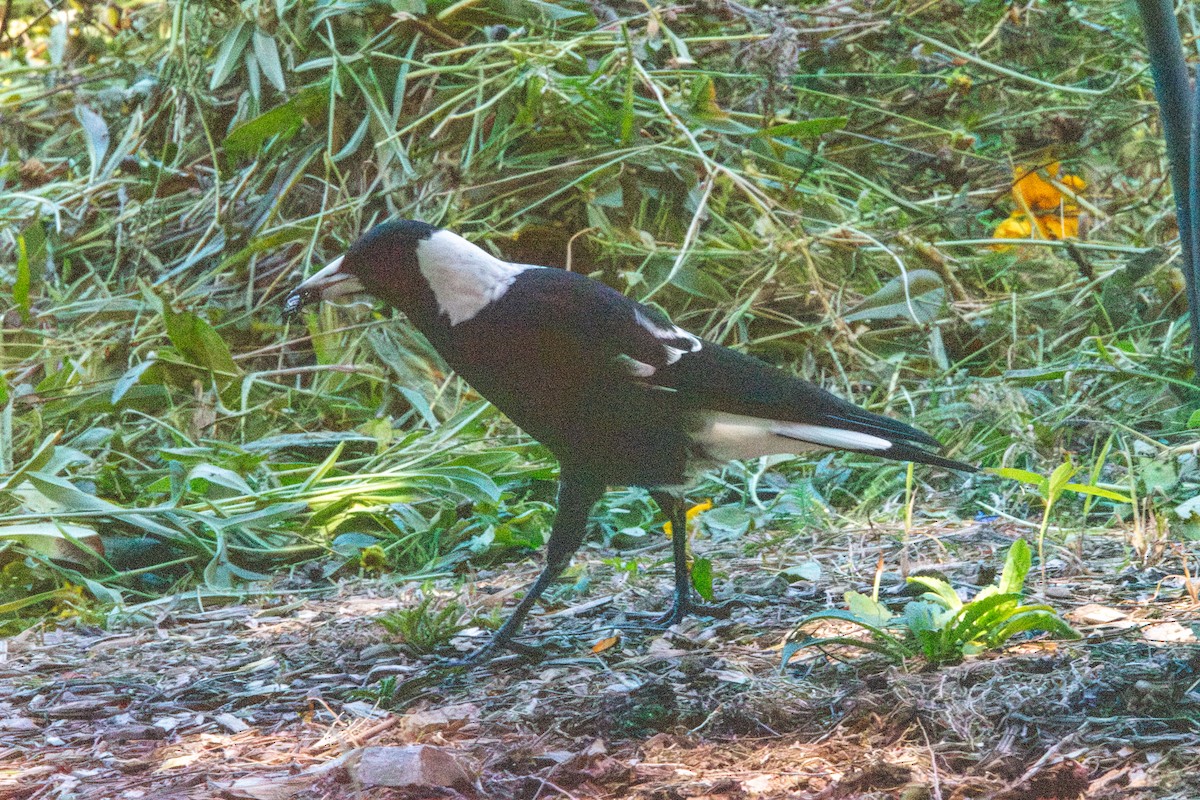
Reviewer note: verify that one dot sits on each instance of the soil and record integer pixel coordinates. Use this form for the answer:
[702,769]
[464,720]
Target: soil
[275,693]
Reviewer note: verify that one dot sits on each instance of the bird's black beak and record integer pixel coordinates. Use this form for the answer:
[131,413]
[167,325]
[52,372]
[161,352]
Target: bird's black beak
[328,283]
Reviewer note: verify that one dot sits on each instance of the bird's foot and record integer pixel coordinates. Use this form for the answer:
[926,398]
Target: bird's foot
[491,650]
[680,609]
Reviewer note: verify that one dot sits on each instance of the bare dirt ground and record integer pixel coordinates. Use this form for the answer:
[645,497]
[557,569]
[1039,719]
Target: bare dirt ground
[274,696]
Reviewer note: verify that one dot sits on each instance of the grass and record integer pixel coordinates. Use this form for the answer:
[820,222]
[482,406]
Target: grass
[170,170]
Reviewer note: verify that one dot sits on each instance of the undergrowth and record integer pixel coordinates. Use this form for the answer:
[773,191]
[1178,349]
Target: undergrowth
[815,185]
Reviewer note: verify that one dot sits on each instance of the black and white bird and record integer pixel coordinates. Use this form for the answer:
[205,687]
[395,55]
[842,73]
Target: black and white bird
[619,394]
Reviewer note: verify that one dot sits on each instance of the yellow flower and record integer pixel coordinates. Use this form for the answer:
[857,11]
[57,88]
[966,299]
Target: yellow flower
[691,515]
[1017,226]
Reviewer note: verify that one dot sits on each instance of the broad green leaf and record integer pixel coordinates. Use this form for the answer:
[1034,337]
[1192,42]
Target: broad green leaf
[1042,619]
[977,617]
[31,261]
[267,54]
[1059,479]
[1155,475]
[702,577]
[22,283]
[917,296]
[199,342]
[220,476]
[806,571]
[130,379]
[68,497]
[921,615]
[1016,567]
[61,541]
[25,602]
[695,281]
[1022,475]
[940,592]
[351,544]
[229,54]
[282,123]
[864,609]
[1096,491]
[56,47]
[354,142]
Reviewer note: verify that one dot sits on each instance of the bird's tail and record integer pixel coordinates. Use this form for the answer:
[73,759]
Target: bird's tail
[905,443]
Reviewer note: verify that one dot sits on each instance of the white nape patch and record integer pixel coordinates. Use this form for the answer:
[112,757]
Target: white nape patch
[464,278]
[676,341]
[730,437]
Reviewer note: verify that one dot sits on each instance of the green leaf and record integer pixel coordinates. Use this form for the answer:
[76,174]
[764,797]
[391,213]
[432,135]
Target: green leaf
[1022,475]
[221,477]
[130,379]
[868,611]
[267,54]
[95,131]
[25,602]
[1096,491]
[702,577]
[229,54]
[68,497]
[805,129]
[1035,618]
[696,282]
[31,253]
[280,123]
[978,616]
[1059,479]
[1016,567]
[940,592]
[199,343]
[62,541]
[40,458]
[1156,476]
[806,571]
[917,296]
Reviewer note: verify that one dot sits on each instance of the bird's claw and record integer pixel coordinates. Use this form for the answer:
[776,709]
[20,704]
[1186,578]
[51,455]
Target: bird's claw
[688,607]
[490,650]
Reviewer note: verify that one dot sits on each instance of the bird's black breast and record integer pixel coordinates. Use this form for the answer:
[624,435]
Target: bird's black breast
[548,355]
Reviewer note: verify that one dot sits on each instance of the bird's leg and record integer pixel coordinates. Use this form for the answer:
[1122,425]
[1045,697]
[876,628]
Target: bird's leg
[672,506]
[576,496]
[682,603]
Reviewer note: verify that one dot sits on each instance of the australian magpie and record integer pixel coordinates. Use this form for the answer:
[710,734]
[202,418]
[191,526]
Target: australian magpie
[619,394]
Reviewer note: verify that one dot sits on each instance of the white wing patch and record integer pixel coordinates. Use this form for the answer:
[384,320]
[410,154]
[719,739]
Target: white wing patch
[464,278]
[638,369]
[729,437]
[675,340]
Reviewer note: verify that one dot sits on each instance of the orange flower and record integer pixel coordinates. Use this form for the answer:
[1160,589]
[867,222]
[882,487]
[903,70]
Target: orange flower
[1056,227]
[1054,213]
[1035,193]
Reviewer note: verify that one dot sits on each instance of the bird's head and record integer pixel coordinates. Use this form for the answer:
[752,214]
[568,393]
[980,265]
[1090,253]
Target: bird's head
[383,262]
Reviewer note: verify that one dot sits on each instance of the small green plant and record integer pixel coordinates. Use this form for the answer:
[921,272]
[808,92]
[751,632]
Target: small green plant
[938,625]
[1050,489]
[425,627]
